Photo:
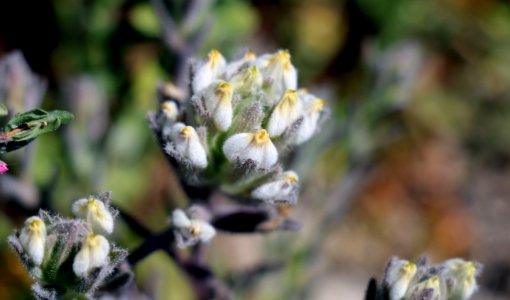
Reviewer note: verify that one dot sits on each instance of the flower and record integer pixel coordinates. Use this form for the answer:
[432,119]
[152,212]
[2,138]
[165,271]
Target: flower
[463,274]
[247,80]
[170,110]
[256,147]
[286,112]
[93,254]
[311,114]
[208,71]
[190,231]
[398,275]
[218,102]
[3,167]
[235,66]
[185,146]
[95,212]
[279,73]
[283,189]
[427,288]
[33,238]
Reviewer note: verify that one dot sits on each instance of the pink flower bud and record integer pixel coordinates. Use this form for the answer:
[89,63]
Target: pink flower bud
[3,167]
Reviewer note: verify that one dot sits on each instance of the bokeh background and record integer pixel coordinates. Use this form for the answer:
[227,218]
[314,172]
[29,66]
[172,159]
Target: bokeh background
[414,160]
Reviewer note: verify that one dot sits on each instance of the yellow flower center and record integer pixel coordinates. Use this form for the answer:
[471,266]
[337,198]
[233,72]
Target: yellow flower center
[168,105]
[250,56]
[186,131]
[288,100]
[92,240]
[292,178]
[317,105]
[282,58]
[214,58]
[36,224]
[224,91]
[261,137]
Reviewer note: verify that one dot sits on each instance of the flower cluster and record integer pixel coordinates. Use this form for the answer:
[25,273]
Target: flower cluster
[454,279]
[68,257]
[238,124]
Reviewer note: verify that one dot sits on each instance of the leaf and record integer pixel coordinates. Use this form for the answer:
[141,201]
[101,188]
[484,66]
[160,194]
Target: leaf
[25,127]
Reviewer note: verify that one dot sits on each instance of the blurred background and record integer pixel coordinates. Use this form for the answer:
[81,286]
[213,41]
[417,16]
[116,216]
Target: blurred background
[414,160]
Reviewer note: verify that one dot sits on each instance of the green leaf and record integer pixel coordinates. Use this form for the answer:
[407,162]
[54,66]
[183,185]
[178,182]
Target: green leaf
[25,127]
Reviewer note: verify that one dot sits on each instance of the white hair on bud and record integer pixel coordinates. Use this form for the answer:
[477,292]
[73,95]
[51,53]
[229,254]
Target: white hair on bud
[218,103]
[286,112]
[208,71]
[281,189]
[95,212]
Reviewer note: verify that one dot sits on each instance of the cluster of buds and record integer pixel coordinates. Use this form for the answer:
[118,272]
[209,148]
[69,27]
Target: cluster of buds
[238,124]
[69,257]
[454,279]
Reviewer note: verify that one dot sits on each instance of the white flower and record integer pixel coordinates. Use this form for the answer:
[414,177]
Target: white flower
[256,147]
[185,145]
[170,110]
[278,72]
[463,274]
[286,112]
[247,81]
[398,275]
[218,102]
[192,230]
[311,113]
[284,188]
[95,212]
[93,254]
[33,238]
[233,67]
[431,287]
[208,71]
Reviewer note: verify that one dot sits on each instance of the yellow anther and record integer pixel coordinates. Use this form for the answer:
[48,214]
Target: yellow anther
[167,105]
[35,224]
[282,57]
[261,137]
[318,104]
[186,131]
[409,268]
[292,178]
[250,56]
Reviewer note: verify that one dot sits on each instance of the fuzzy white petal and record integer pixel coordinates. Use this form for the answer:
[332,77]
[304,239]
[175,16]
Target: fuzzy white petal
[95,212]
[81,262]
[218,102]
[279,189]
[286,112]
[79,207]
[33,238]
[187,144]
[256,147]
[208,71]
[180,219]
[398,276]
[208,232]
[93,254]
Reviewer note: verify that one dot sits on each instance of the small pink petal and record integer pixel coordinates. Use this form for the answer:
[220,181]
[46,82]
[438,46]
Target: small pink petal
[3,167]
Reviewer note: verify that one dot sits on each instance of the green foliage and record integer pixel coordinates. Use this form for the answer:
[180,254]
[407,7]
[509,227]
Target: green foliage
[25,127]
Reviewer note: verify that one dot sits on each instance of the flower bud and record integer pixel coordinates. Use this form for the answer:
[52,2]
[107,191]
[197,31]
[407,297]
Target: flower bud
[234,67]
[185,146]
[33,238]
[311,113]
[283,189]
[286,112]
[190,230]
[278,72]
[208,71]
[170,110]
[256,147]
[398,275]
[429,288]
[3,167]
[248,80]
[463,273]
[218,103]
[95,212]
[93,254]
